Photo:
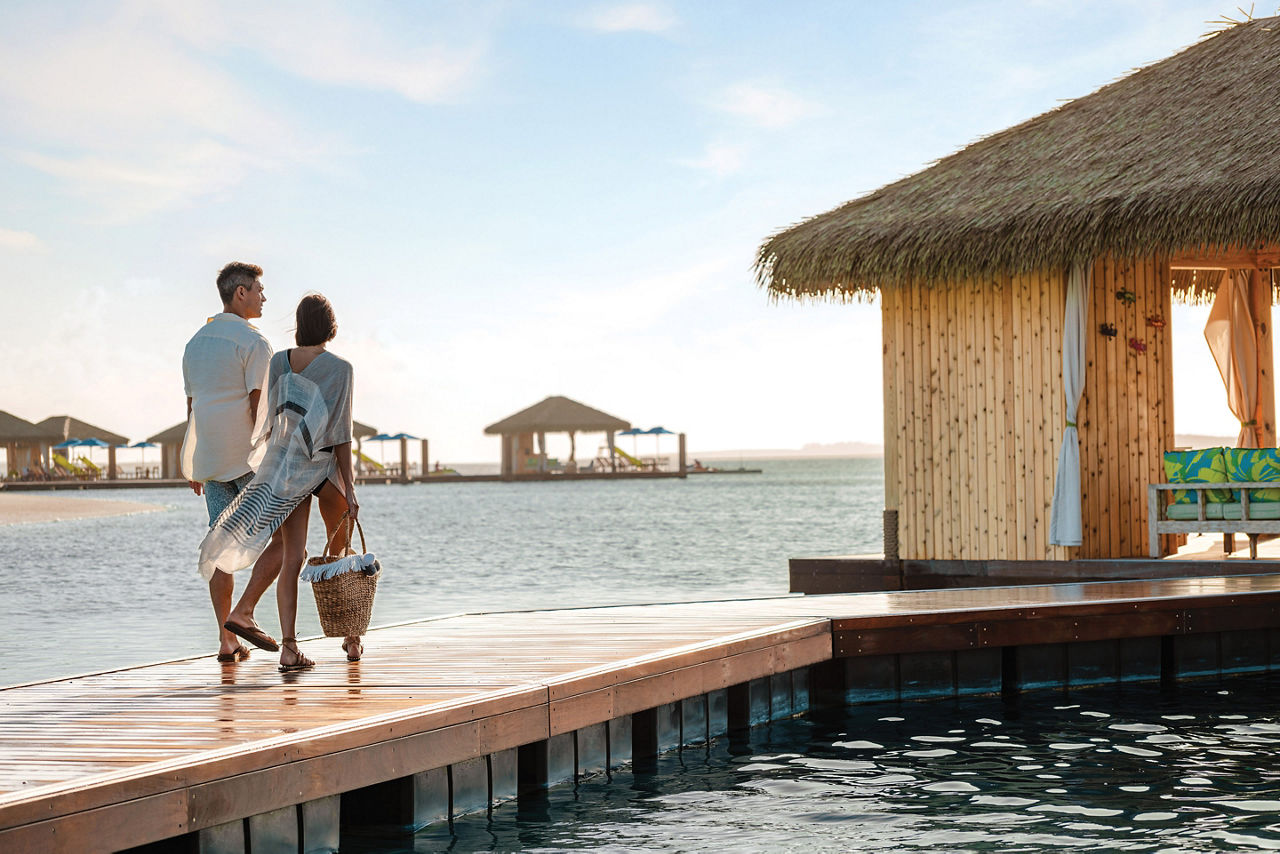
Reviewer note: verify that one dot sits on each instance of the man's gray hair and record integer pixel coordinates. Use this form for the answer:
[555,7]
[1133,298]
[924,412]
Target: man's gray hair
[237,274]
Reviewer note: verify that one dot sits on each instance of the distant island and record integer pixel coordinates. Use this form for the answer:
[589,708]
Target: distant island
[811,449]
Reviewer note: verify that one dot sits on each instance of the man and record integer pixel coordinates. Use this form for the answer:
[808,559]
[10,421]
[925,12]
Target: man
[224,369]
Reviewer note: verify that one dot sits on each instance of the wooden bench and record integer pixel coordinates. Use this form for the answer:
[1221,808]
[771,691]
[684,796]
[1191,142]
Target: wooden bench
[1208,517]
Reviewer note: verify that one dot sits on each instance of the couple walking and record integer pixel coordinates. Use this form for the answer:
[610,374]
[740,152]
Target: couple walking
[265,433]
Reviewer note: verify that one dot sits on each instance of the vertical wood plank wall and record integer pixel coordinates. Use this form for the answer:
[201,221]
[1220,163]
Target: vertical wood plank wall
[1126,416]
[974,413]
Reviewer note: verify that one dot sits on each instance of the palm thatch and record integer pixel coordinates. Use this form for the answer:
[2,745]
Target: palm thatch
[1178,155]
[362,431]
[66,427]
[557,415]
[15,429]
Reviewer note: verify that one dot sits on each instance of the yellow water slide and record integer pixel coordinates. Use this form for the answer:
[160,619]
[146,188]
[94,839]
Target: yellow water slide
[635,461]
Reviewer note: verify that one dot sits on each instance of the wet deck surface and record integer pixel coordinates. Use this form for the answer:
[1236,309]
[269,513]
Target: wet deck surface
[76,744]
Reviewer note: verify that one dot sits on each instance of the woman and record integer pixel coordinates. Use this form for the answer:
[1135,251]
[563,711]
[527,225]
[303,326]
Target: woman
[302,447]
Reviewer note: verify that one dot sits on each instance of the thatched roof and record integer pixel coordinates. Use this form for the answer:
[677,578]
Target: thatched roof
[65,427]
[173,436]
[558,415]
[1178,155]
[15,429]
[362,431]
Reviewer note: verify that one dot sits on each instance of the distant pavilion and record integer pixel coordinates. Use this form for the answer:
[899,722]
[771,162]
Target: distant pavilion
[26,445]
[66,427]
[553,415]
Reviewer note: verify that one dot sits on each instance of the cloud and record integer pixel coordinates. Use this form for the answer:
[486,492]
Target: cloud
[20,241]
[766,105]
[719,158]
[126,187]
[147,106]
[629,17]
[322,43]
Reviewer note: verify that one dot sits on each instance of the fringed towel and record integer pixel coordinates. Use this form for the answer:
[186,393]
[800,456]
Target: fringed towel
[366,563]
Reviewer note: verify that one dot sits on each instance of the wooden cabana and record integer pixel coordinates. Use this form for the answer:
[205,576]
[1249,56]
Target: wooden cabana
[1076,228]
[553,415]
[67,427]
[26,446]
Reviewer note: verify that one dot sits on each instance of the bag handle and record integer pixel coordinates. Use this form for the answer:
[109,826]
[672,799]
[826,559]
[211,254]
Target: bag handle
[328,546]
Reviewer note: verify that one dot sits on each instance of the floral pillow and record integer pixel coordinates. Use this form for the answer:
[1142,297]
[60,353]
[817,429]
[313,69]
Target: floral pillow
[1255,465]
[1204,466]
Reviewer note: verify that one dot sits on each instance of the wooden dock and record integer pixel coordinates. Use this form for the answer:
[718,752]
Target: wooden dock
[450,715]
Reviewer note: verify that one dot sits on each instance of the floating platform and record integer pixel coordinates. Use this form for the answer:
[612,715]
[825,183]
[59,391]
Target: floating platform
[450,715]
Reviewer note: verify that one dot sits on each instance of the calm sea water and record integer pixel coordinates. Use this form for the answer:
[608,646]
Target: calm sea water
[1127,769]
[95,594]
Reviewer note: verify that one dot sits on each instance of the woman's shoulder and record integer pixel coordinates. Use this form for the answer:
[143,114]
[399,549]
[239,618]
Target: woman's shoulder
[338,361]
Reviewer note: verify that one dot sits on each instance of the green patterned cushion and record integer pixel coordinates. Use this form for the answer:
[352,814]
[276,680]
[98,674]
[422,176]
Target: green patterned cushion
[1204,466]
[1254,465]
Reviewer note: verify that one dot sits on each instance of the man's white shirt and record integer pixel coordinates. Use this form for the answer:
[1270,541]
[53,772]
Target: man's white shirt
[225,361]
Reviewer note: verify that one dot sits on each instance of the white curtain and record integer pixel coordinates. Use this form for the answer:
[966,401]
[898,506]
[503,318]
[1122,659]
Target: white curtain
[1234,346]
[1065,528]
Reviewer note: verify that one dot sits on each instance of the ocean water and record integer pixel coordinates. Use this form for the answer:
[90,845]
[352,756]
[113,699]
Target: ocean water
[95,594]
[1134,768]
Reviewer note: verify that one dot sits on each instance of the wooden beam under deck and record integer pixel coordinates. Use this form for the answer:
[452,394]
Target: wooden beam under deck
[112,760]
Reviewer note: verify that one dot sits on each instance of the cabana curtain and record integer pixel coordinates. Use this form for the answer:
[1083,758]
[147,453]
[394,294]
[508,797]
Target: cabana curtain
[1233,343]
[1065,527]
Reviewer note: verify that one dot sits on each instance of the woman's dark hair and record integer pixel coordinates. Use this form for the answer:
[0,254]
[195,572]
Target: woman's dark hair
[316,324]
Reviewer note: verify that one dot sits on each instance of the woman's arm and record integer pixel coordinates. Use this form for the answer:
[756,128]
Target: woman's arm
[343,455]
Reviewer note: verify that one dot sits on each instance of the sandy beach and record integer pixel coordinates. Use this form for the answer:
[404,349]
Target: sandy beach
[20,508]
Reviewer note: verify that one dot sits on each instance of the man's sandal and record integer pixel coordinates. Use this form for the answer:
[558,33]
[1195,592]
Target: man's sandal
[240,653]
[303,662]
[253,635]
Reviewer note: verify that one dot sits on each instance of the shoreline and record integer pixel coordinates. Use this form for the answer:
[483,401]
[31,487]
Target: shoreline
[24,509]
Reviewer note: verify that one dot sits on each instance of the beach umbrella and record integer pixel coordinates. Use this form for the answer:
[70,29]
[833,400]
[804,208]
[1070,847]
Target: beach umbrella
[633,432]
[380,438]
[90,444]
[657,433]
[143,447]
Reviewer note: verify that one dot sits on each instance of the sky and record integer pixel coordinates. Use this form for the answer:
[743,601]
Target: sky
[503,200]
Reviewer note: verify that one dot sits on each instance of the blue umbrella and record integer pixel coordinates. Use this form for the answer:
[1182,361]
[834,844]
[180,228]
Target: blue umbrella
[634,431]
[381,437]
[403,436]
[143,446]
[657,433]
[69,443]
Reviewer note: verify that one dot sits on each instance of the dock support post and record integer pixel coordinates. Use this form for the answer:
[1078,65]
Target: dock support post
[111,463]
[644,740]
[404,460]
[545,763]
[1009,683]
[684,462]
[425,447]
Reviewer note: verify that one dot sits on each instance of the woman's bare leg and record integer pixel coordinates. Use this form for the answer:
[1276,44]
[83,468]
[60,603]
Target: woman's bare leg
[294,550]
[333,505]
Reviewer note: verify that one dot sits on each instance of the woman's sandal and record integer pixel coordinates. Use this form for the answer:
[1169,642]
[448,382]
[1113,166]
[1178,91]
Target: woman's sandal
[303,663]
[353,649]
